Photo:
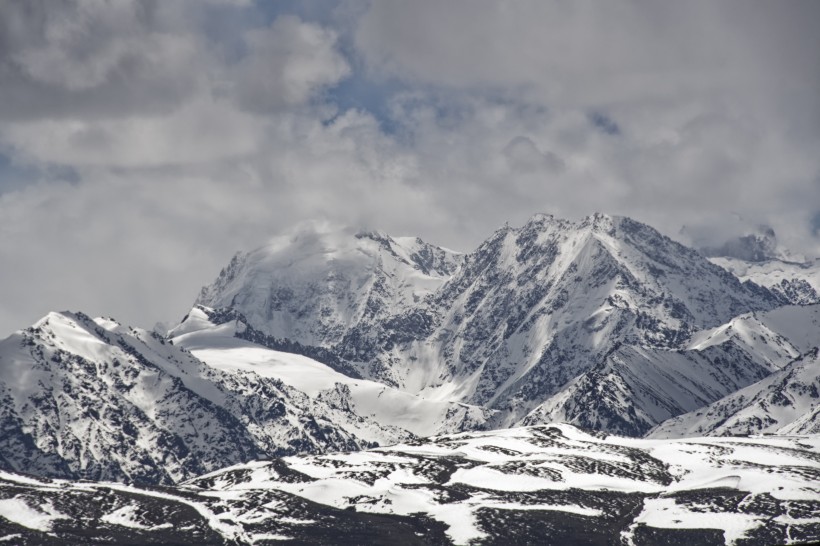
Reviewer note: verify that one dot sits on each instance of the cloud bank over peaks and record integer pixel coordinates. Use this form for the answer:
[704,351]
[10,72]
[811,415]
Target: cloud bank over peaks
[142,143]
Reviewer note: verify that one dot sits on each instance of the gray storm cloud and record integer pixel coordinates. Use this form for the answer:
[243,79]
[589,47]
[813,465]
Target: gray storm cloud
[143,143]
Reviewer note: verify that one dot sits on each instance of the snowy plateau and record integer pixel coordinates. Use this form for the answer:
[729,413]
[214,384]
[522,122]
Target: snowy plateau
[590,382]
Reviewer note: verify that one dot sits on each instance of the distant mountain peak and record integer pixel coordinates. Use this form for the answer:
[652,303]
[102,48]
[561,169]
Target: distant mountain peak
[758,246]
[600,221]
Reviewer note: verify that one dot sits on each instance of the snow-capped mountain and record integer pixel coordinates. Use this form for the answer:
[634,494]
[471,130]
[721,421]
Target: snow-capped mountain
[796,282]
[547,484]
[317,282]
[506,326]
[759,246]
[382,339]
[759,257]
[98,400]
[335,341]
[635,388]
[785,402]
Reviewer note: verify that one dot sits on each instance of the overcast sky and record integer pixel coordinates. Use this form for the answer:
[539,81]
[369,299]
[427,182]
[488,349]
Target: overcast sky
[143,143]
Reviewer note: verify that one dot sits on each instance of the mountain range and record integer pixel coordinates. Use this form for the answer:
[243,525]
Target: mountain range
[334,340]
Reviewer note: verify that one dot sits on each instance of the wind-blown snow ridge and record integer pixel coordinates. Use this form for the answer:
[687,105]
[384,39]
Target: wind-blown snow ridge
[318,281]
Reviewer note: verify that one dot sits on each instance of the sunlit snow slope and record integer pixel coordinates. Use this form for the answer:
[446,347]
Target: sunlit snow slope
[218,346]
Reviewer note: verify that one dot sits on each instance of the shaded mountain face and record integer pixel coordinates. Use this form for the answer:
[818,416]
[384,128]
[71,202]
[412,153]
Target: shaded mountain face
[786,402]
[506,326]
[635,388]
[549,484]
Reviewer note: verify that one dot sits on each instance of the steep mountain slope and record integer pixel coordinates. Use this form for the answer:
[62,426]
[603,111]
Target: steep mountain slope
[634,388]
[797,282]
[786,402]
[317,282]
[94,399]
[532,308]
[552,484]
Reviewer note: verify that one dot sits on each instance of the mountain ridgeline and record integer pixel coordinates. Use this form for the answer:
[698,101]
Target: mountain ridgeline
[334,340]
[507,326]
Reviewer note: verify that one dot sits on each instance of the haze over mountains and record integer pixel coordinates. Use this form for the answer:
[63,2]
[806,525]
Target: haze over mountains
[332,340]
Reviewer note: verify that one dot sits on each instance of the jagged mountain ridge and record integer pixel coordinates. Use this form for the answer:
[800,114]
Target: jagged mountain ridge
[603,323]
[786,402]
[528,311]
[92,399]
[634,388]
[544,317]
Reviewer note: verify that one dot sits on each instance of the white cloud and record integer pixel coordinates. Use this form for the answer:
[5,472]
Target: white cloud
[287,65]
[713,104]
[202,130]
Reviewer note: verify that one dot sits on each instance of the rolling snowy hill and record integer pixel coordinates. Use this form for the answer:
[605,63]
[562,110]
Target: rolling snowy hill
[550,484]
